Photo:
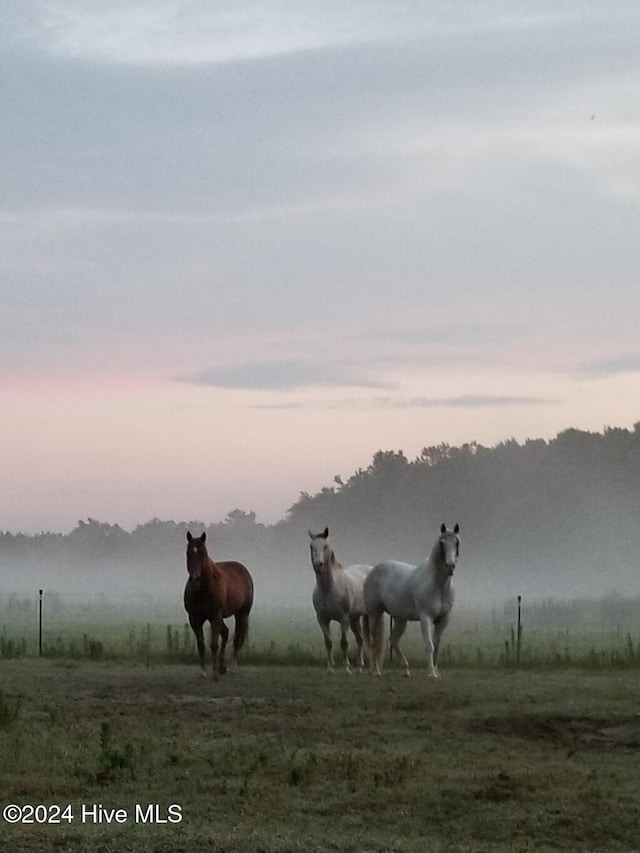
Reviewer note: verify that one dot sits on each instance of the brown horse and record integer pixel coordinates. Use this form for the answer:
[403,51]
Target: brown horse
[213,592]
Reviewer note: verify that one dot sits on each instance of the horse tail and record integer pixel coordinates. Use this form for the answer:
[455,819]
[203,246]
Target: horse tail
[377,641]
[241,633]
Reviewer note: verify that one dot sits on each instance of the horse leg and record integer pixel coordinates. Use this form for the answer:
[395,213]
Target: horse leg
[439,625]
[356,628]
[197,628]
[216,630]
[344,642]
[366,636]
[427,628]
[326,633]
[224,638]
[399,626]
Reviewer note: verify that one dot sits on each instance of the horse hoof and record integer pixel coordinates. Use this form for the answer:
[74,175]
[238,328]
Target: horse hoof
[203,673]
[406,674]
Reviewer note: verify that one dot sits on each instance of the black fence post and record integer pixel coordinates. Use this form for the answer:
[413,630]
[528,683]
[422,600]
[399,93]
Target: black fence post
[39,623]
[519,630]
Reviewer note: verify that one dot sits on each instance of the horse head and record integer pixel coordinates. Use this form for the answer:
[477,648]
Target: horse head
[449,547]
[321,553]
[197,556]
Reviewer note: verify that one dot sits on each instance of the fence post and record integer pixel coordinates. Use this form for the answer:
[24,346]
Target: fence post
[39,623]
[519,630]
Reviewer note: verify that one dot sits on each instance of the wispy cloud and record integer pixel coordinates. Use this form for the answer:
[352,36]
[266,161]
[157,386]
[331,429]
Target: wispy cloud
[454,334]
[464,401]
[471,401]
[605,368]
[284,376]
[202,33]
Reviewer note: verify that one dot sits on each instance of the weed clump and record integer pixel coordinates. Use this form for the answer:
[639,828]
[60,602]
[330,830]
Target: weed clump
[9,711]
[114,760]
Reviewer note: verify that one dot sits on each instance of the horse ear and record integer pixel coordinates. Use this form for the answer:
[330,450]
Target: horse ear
[189,536]
[325,534]
[310,533]
[443,527]
[203,537]
[456,529]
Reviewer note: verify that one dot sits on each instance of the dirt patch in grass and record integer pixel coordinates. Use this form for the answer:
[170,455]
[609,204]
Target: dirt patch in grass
[564,729]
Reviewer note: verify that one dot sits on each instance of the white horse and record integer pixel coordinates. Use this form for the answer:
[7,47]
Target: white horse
[337,596]
[422,593]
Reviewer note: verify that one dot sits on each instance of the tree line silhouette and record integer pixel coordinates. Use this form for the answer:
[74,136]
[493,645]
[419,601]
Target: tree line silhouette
[557,517]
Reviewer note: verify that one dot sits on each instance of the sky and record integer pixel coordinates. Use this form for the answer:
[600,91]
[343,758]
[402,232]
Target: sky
[245,245]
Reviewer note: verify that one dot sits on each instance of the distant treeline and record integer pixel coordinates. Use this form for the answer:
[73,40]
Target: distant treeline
[543,518]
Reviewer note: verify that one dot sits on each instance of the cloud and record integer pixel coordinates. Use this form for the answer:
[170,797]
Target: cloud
[136,32]
[471,401]
[287,375]
[608,367]
[464,401]
[200,33]
[455,334]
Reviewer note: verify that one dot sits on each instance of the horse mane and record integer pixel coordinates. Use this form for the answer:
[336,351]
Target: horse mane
[435,557]
[335,562]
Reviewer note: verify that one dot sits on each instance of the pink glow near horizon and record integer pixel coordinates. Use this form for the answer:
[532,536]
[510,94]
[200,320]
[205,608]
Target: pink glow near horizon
[181,452]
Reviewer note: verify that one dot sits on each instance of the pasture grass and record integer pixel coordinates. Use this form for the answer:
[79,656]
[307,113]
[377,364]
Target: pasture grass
[159,634]
[291,758]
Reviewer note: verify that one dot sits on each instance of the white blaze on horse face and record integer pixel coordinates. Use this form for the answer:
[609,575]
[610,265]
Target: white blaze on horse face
[193,561]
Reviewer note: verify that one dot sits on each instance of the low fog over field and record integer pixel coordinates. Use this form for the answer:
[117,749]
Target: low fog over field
[541,519]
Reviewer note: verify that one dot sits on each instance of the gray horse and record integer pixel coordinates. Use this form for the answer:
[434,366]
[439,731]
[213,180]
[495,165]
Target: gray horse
[422,593]
[337,597]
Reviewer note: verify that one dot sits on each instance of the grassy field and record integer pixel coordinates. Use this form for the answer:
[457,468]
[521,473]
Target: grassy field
[291,758]
[158,633]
